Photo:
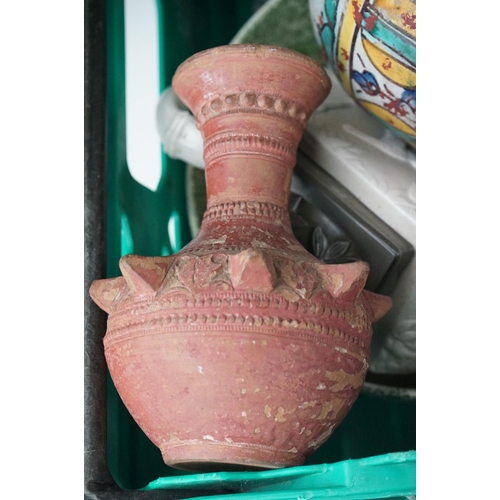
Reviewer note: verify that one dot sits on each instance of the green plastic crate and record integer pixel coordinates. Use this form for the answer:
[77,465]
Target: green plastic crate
[387,476]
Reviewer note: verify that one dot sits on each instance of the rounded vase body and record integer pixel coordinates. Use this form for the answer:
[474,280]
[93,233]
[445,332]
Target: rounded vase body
[242,350]
[371,46]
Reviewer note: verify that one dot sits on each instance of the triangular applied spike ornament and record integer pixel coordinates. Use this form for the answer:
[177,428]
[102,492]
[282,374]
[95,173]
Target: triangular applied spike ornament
[380,305]
[105,292]
[144,275]
[252,270]
[345,281]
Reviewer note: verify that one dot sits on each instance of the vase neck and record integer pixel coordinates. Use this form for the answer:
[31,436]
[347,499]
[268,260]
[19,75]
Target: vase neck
[250,157]
[248,180]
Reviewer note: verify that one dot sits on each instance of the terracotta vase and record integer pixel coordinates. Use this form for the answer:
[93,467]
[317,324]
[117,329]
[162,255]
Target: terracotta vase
[242,350]
[371,46]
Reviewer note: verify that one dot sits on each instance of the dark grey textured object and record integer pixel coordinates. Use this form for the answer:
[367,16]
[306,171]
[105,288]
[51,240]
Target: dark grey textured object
[95,467]
[337,228]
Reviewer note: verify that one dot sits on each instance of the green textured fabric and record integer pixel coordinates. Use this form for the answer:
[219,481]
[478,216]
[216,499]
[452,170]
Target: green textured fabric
[282,22]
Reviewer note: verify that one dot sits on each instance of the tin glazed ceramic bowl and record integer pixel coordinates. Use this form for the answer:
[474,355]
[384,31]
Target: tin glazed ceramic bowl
[371,46]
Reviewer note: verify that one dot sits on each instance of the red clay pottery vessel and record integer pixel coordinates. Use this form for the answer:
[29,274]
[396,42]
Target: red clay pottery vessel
[242,350]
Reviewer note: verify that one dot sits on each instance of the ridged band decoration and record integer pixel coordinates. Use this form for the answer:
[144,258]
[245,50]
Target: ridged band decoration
[245,209]
[301,319]
[249,144]
[250,102]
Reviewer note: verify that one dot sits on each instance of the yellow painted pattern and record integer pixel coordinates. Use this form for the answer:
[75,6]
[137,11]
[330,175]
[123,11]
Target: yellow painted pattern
[388,117]
[402,13]
[346,35]
[390,67]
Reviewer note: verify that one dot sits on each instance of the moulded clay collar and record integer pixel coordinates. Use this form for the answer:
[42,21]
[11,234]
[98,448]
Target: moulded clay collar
[259,52]
[300,82]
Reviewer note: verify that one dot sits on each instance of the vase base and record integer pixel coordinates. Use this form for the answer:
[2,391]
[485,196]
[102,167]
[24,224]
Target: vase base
[209,456]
